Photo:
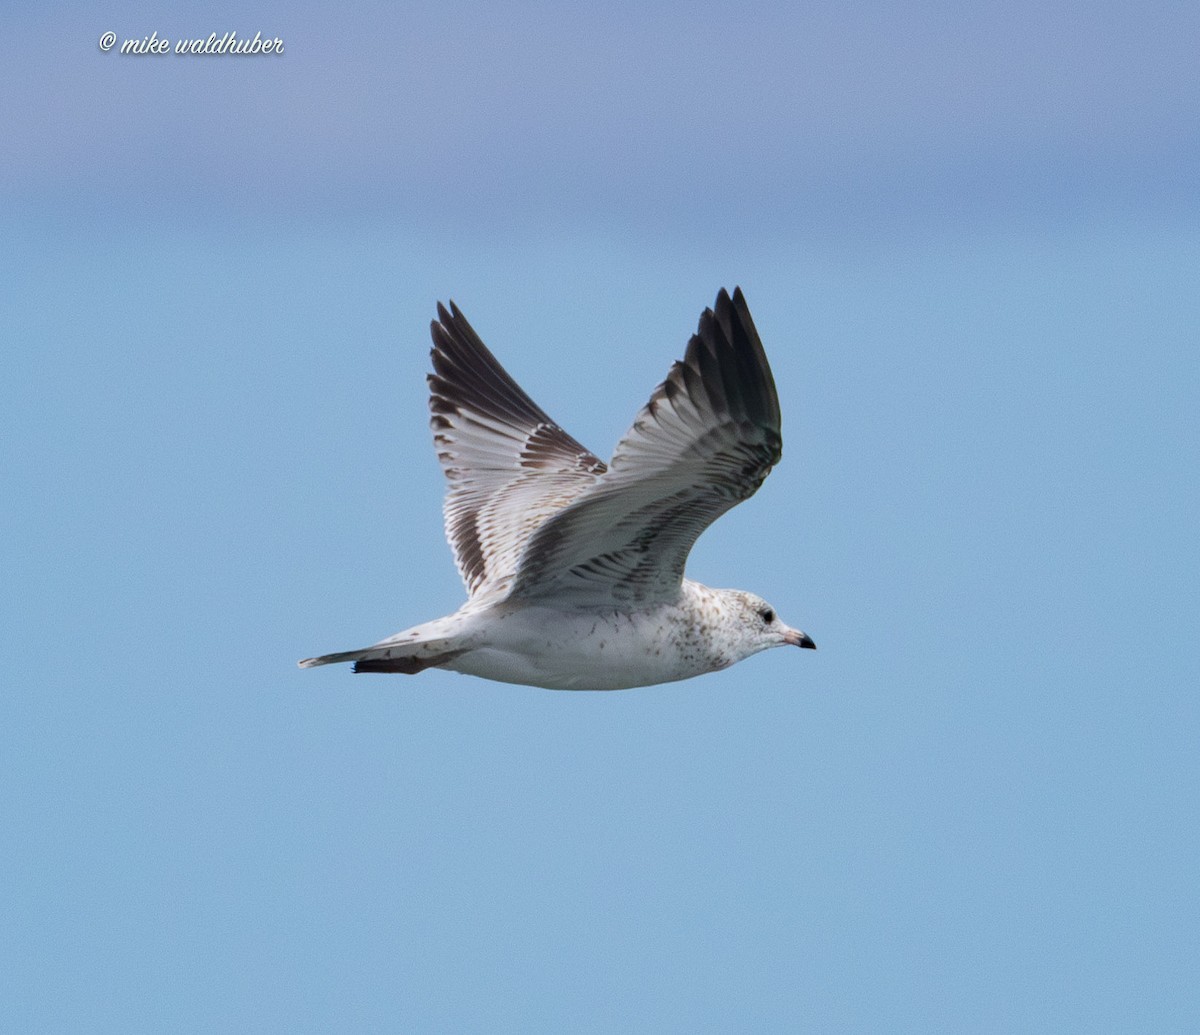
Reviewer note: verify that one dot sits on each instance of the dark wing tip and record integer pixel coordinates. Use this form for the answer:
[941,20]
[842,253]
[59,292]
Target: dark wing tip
[466,373]
[468,379]
[727,357]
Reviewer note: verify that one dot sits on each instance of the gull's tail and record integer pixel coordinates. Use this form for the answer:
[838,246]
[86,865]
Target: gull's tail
[333,659]
[409,652]
[416,658]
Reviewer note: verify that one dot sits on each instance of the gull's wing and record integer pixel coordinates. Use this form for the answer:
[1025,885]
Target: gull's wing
[703,443]
[510,467]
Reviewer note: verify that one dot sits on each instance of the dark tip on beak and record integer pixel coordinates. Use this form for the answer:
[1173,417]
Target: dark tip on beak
[800,639]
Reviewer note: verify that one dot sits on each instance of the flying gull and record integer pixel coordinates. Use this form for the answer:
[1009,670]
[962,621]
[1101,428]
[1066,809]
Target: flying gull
[574,567]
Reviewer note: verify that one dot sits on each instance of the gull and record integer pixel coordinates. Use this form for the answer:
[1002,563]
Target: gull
[574,568]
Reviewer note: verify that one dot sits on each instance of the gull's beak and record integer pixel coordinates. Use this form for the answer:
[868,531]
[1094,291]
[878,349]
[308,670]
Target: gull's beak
[799,639]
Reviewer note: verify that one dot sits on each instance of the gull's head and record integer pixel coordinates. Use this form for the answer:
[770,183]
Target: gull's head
[760,625]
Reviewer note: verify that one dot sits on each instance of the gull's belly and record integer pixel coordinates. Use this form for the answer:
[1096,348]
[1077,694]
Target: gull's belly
[583,650]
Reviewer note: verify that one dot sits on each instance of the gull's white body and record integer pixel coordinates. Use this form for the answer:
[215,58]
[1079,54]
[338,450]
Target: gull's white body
[537,645]
[574,567]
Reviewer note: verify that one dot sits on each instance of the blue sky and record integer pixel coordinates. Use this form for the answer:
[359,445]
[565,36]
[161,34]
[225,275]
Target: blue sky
[969,237]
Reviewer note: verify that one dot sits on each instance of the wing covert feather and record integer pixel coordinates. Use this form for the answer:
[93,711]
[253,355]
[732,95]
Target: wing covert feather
[703,443]
[508,464]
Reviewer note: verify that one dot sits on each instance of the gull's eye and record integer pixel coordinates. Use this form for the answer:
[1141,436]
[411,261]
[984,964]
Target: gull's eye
[767,615]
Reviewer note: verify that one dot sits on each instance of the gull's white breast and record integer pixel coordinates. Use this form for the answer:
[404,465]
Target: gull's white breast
[590,650]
